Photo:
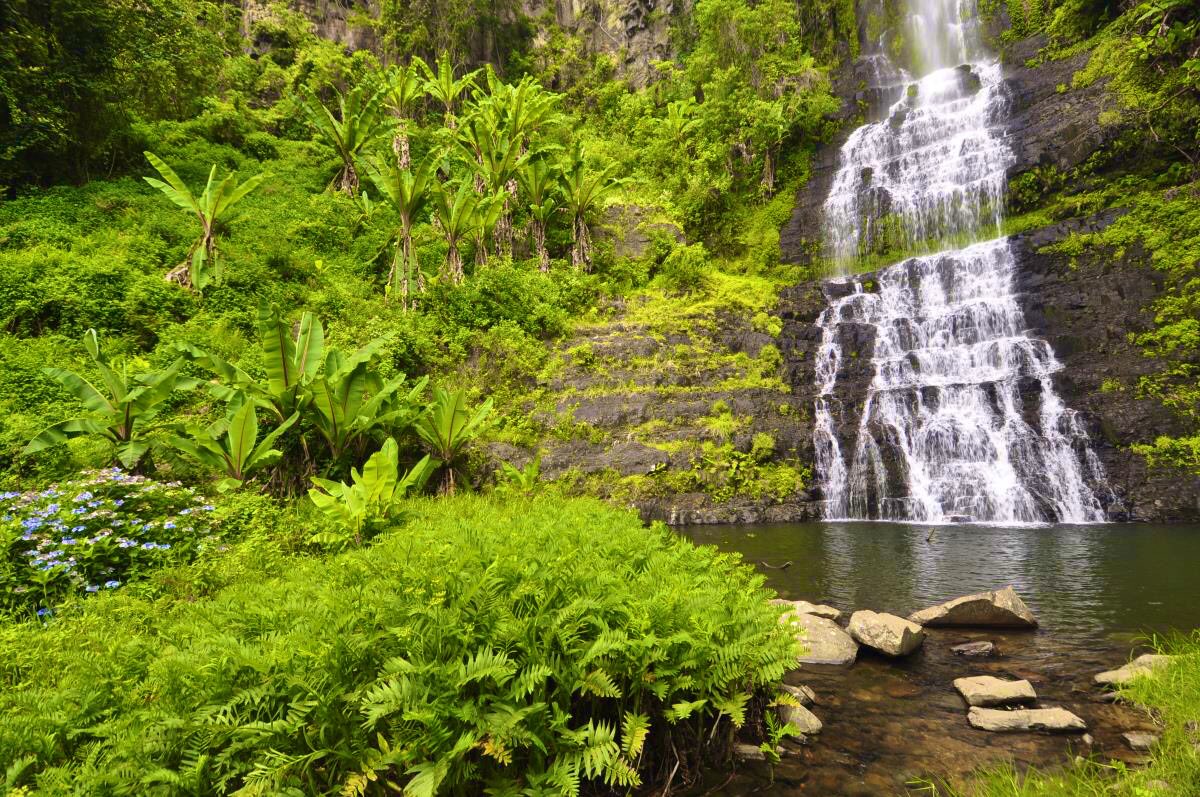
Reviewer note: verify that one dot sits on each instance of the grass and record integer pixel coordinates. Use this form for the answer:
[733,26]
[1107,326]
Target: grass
[1172,695]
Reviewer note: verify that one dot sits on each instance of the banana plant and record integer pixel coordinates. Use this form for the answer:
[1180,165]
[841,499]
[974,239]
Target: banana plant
[408,191]
[401,91]
[292,362]
[541,181]
[584,190]
[202,265]
[447,426]
[373,497]
[456,215]
[120,415]
[444,87]
[353,403]
[488,211]
[357,123]
[231,445]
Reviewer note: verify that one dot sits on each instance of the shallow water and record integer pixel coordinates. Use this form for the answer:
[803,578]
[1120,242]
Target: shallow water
[1098,591]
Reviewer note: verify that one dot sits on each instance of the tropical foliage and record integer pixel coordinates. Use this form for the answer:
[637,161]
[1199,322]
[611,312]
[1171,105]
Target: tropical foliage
[529,645]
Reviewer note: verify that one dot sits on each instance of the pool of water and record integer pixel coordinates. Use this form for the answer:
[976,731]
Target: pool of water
[1099,591]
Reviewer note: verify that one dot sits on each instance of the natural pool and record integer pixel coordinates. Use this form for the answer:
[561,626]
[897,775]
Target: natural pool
[1097,590]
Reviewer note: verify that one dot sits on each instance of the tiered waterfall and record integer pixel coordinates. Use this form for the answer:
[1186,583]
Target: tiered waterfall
[961,421]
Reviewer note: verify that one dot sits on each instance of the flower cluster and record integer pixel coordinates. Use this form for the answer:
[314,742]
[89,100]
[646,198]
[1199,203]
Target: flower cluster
[94,534]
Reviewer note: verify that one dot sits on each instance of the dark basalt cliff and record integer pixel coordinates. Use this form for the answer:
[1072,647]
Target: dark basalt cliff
[1085,307]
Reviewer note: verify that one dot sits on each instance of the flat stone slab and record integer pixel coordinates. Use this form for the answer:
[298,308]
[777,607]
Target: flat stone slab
[984,690]
[805,721]
[804,607]
[1140,740]
[824,640]
[886,633]
[974,649]
[1142,665]
[802,694]
[1001,608]
[1025,719]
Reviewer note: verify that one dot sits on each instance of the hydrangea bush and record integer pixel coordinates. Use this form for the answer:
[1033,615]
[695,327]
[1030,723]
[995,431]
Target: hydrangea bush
[94,533]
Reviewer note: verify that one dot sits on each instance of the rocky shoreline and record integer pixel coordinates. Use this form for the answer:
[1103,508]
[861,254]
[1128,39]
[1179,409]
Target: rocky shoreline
[1002,705]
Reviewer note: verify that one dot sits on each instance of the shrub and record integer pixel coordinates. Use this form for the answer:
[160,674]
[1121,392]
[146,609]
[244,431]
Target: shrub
[685,269]
[521,644]
[95,532]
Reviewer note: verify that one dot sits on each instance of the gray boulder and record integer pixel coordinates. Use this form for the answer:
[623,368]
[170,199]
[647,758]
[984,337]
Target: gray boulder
[805,721]
[1142,665]
[1025,719]
[802,694]
[984,690]
[804,607]
[1140,741]
[974,649]
[1000,608]
[886,633]
[824,641]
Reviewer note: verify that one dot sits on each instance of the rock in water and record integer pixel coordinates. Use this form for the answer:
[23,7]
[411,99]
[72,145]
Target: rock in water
[1139,740]
[1142,665]
[886,633]
[1000,608]
[1025,719]
[824,641]
[984,690]
[805,721]
[974,649]
[804,607]
[803,695]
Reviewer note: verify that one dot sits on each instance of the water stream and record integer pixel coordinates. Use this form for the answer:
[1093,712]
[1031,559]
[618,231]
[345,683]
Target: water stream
[1097,590]
[961,421]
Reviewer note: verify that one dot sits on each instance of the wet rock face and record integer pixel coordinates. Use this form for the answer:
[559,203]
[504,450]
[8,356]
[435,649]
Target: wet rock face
[1086,307]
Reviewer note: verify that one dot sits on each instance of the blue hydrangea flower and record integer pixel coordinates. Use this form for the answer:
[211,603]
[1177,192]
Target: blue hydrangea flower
[68,541]
[92,588]
[85,495]
[42,612]
[170,524]
[112,584]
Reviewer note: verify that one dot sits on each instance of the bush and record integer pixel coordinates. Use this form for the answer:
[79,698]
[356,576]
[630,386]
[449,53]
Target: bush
[95,532]
[522,644]
[685,270]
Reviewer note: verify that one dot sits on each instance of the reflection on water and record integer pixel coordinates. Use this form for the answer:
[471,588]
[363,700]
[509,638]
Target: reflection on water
[1095,590]
[1081,581]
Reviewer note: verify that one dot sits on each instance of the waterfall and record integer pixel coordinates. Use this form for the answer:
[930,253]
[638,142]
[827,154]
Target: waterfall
[960,420]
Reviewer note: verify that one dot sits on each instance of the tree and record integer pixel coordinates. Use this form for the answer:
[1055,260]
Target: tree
[444,87]
[447,427]
[402,89]
[358,122]
[456,216]
[211,208]
[541,181]
[121,416]
[408,191]
[583,192]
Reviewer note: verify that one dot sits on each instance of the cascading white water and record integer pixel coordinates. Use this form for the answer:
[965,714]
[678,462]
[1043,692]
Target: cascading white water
[961,421]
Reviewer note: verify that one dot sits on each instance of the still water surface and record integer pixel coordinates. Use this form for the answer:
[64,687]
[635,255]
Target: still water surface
[1098,591]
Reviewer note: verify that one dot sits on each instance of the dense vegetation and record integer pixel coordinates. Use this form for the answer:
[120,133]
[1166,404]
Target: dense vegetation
[261,294]
[526,644]
[1148,53]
